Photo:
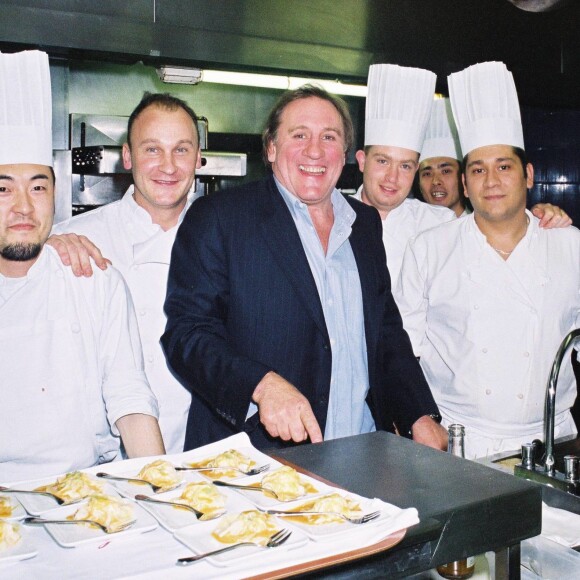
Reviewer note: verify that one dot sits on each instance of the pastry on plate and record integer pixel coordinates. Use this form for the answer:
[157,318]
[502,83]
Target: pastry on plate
[9,535]
[203,496]
[73,486]
[111,512]
[161,473]
[247,526]
[287,484]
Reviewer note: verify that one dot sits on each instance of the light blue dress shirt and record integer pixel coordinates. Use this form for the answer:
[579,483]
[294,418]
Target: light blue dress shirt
[338,284]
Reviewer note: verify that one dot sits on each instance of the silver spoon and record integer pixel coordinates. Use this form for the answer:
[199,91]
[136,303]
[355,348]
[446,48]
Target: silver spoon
[155,488]
[245,487]
[199,515]
[106,529]
[58,500]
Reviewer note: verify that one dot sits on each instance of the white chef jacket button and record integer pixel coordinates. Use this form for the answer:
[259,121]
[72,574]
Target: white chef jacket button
[526,354]
[484,350]
[476,307]
[520,396]
[75,327]
[488,391]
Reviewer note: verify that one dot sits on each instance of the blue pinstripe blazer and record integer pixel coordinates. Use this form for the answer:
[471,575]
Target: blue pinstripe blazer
[242,301]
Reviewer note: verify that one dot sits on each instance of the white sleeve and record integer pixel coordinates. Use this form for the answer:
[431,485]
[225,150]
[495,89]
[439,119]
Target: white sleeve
[124,384]
[410,293]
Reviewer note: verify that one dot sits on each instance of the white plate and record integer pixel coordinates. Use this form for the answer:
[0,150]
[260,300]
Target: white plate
[18,512]
[253,454]
[36,504]
[173,518]
[73,535]
[332,530]
[22,551]
[265,500]
[199,539]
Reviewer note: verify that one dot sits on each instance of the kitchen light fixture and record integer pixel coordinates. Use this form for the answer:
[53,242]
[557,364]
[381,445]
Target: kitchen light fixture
[192,76]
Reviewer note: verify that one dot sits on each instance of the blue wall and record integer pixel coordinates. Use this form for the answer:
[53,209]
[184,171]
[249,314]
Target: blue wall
[552,141]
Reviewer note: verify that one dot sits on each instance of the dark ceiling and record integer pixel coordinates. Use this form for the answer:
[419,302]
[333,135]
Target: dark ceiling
[330,38]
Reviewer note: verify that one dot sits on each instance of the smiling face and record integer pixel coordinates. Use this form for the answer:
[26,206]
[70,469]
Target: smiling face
[163,156]
[26,215]
[440,183]
[308,152]
[388,174]
[495,183]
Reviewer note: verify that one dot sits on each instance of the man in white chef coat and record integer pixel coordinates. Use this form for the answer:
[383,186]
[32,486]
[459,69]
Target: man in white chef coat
[487,299]
[440,174]
[72,369]
[398,106]
[137,233]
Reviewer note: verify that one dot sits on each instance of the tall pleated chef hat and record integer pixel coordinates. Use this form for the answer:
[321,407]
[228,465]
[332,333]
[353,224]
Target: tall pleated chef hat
[398,105]
[441,138]
[485,106]
[25,108]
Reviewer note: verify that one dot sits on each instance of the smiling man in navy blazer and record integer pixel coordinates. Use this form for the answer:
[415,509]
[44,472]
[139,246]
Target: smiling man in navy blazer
[281,321]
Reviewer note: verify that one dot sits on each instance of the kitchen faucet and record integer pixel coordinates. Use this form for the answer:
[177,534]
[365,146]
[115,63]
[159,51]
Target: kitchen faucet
[549,460]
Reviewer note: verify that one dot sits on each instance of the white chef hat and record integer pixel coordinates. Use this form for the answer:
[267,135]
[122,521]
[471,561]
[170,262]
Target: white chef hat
[25,108]
[485,106]
[398,105]
[441,138]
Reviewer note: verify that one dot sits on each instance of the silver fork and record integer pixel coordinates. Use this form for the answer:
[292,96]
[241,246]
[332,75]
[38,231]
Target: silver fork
[58,500]
[360,520]
[155,488]
[105,529]
[253,471]
[275,540]
[199,515]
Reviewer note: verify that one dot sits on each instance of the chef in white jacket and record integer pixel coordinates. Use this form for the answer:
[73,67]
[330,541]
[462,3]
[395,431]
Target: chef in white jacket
[487,299]
[398,106]
[72,369]
[137,233]
[439,175]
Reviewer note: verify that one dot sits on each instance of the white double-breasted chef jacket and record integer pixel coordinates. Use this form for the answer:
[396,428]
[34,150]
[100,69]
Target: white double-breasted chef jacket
[487,329]
[71,366]
[405,222]
[141,251]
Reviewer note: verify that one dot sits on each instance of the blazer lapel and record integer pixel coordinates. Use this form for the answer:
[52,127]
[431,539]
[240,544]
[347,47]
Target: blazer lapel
[282,237]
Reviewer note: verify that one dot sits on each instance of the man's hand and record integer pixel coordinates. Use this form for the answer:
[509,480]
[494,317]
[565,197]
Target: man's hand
[284,411]
[76,251]
[430,433]
[551,216]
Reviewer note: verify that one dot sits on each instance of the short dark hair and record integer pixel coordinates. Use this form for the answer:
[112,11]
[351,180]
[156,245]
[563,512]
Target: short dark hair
[518,152]
[270,132]
[163,101]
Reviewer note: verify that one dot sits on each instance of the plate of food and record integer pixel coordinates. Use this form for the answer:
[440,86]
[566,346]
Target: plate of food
[15,543]
[329,514]
[113,512]
[66,489]
[246,526]
[229,464]
[201,495]
[277,486]
[156,477]
[10,508]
